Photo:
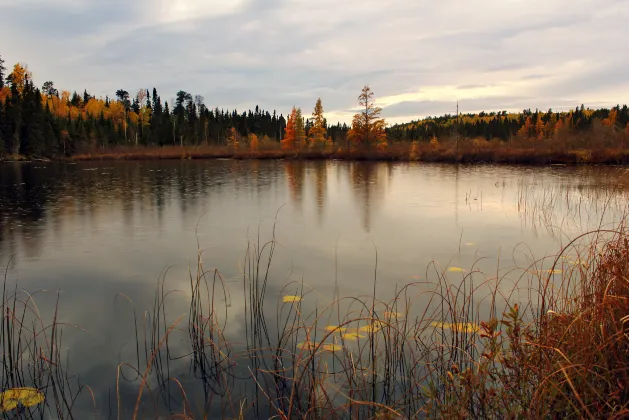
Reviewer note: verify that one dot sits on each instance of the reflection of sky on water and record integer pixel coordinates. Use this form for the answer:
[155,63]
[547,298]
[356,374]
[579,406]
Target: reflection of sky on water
[96,230]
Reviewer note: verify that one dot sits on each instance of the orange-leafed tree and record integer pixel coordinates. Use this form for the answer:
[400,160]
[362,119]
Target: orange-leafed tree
[288,142]
[539,127]
[4,93]
[368,127]
[610,121]
[559,127]
[527,129]
[317,132]
[253,142]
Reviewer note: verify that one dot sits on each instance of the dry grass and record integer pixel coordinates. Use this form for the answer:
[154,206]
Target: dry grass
[458,345]
[595,146]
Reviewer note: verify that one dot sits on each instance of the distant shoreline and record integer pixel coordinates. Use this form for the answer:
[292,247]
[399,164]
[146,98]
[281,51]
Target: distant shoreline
[398,152]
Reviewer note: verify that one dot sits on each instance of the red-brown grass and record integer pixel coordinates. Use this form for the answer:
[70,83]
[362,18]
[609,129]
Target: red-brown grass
[578,148]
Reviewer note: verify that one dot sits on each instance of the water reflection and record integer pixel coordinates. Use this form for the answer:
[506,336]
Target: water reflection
[95,230]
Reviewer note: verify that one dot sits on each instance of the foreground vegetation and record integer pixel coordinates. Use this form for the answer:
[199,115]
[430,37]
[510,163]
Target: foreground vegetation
[47,123]
[463,345]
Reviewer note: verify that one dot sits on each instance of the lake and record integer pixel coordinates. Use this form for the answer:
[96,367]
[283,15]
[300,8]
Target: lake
[104,241]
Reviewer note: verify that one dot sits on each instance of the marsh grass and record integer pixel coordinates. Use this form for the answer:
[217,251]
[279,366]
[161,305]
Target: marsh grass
[546,338]
[32,356]
[590,147]
[458,346]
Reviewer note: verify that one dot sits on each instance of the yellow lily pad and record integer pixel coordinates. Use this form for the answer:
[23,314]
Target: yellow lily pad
[14,397]
[470,243]
[374,327]
[457,326]
[291,299]
[306,345]
[335,328]
[332,347]
[456,269]
[352,336]
[388,314]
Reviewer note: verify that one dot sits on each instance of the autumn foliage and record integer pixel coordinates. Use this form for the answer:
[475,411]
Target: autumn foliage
[51,122]
[368,129]
[289,140]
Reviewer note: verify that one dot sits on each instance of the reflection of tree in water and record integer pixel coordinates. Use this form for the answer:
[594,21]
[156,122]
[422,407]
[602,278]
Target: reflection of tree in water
[53,197]
[295,172]
[321,179]
[24,194]
[369,182]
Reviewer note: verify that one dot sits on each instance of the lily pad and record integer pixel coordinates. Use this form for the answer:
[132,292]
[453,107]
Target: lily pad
[14,397]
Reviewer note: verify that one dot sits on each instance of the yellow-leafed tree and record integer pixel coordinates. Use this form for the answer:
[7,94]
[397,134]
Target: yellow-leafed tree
[232,138]
[18,76]
[317,131]
[368,127]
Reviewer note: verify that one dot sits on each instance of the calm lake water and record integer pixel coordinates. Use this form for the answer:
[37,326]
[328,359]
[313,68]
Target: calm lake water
[98,237]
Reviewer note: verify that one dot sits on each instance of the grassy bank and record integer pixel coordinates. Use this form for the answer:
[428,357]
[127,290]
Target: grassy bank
[578,151]
[431,351]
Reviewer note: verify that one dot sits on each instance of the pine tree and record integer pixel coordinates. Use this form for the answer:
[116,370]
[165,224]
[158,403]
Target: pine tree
[317,131]
[300,131]
[2,70]
[14,119]
[368,129]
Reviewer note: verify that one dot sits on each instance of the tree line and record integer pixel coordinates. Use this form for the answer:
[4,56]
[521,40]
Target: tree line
[505,126]
[49,122]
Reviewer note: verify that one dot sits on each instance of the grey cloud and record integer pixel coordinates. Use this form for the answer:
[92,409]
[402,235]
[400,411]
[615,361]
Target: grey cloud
[418,109]
[277,54]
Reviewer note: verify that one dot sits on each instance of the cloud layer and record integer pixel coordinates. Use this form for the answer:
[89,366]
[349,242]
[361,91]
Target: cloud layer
[419,57]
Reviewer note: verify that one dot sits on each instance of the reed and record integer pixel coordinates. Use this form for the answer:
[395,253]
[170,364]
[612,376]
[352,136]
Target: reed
[547,338]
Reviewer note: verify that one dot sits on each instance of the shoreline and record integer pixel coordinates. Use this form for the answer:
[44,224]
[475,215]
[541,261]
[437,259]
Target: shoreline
[423,153]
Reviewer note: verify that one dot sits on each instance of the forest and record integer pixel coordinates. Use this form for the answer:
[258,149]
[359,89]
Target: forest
[48,123]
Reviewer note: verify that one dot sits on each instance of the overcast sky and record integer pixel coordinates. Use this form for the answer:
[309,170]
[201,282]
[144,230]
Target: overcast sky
[418,56]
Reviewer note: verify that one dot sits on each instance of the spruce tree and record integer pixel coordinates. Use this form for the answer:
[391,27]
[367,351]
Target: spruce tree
[2,70]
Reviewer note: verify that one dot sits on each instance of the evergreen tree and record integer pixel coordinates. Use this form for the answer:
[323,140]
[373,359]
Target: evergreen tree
[367,126]
[300,131]
[2,70]
[317,132]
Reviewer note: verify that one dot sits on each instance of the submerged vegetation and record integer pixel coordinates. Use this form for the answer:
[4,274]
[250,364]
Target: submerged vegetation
[46,122]
[547,339]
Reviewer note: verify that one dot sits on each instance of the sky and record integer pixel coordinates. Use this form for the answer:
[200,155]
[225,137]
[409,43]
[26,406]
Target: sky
[419,57]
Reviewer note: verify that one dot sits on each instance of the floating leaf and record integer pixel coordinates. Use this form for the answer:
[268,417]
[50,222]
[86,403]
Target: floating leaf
[456,269]
[416,277]
[470,243]
[306,345]
[352,336]
[374,327]
[332,347]
[291,299]
[388,314]
[335,328]
[27,397]
[457,326]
